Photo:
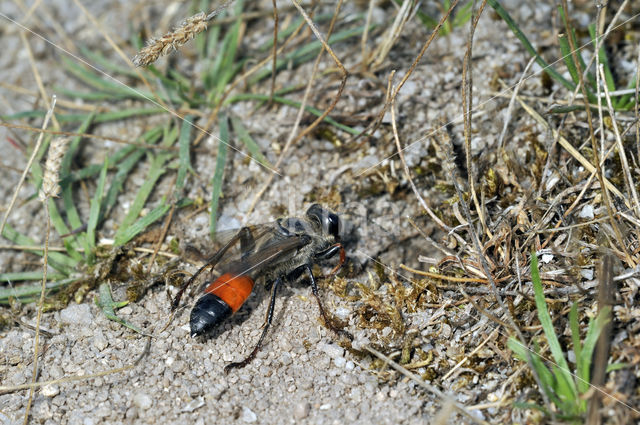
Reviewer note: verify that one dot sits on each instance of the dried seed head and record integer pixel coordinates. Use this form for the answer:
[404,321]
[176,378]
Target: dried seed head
[50,187]
[157,47]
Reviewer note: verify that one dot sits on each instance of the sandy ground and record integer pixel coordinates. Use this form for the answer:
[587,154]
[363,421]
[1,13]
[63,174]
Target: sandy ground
[301,375]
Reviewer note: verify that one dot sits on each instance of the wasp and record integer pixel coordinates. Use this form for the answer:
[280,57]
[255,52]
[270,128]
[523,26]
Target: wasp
[277,252]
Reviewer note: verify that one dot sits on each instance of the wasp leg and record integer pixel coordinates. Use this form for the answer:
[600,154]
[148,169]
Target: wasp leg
[328,323]
[252,355]
[330,252]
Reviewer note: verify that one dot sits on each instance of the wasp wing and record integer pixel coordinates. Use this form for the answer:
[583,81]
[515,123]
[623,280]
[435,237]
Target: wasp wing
[273,251]
[248,250]
[244,237]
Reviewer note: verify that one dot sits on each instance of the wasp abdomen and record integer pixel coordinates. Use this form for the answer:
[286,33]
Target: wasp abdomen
[222,298]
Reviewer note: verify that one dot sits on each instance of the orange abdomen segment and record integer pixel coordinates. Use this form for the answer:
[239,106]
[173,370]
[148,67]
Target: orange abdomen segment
[233,290]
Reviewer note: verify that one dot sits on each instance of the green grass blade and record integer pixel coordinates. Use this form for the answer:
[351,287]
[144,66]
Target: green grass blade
[285,101]
[24,291]
[213,39]
[575,329]
[93,170]
[527,45]
[295,23]
[250,144]
[218,175]
[593,333]
[59,261]
[564,388]
[142,223]
[108,65]
[228,53]
[565,51]
[462,15]
[617,366]
[62,229]
[89,77]
[93,96]
[306,52]
[32,275]
[71,212]
[546,378]
[547,324]
[583,65]
[94,213]
[104,85]
[118,115]
[155,172]
[117,184]
[184,141]
[124,169]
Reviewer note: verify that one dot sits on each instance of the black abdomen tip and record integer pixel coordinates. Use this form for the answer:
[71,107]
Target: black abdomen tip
[208,312]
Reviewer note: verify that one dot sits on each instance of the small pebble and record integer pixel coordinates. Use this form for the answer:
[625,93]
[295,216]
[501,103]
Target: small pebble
[301,411]
[76,314]
[332,350]
[248,416]
[50,390]
[142,401]
[132,413]
[99,341]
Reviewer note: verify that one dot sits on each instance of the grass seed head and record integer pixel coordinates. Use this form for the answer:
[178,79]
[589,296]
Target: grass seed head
[51,176]
[161,46]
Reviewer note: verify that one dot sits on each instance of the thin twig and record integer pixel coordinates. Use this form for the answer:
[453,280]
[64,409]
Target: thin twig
[50,189]
[292,139]
[214,113]
[407,173]
[467,113]
[365,35]
[516,89]
[274,51]
[485,266]
[446,399]
[38,78]
[36,149]
[434,33]
[631,188]
[7,389]
[606,289]
[606,199]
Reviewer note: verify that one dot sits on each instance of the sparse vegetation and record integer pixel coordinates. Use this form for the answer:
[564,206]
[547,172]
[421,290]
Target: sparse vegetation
[454,191]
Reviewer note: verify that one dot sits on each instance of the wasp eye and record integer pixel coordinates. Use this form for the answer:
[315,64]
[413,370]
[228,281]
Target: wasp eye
[333,225]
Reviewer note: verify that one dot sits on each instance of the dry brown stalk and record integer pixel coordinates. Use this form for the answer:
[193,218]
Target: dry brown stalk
[50,188]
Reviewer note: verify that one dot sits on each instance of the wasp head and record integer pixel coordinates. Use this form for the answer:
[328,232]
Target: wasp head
[326,222]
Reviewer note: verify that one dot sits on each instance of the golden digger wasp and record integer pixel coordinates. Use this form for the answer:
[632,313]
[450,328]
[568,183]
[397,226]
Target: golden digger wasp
[277,252]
